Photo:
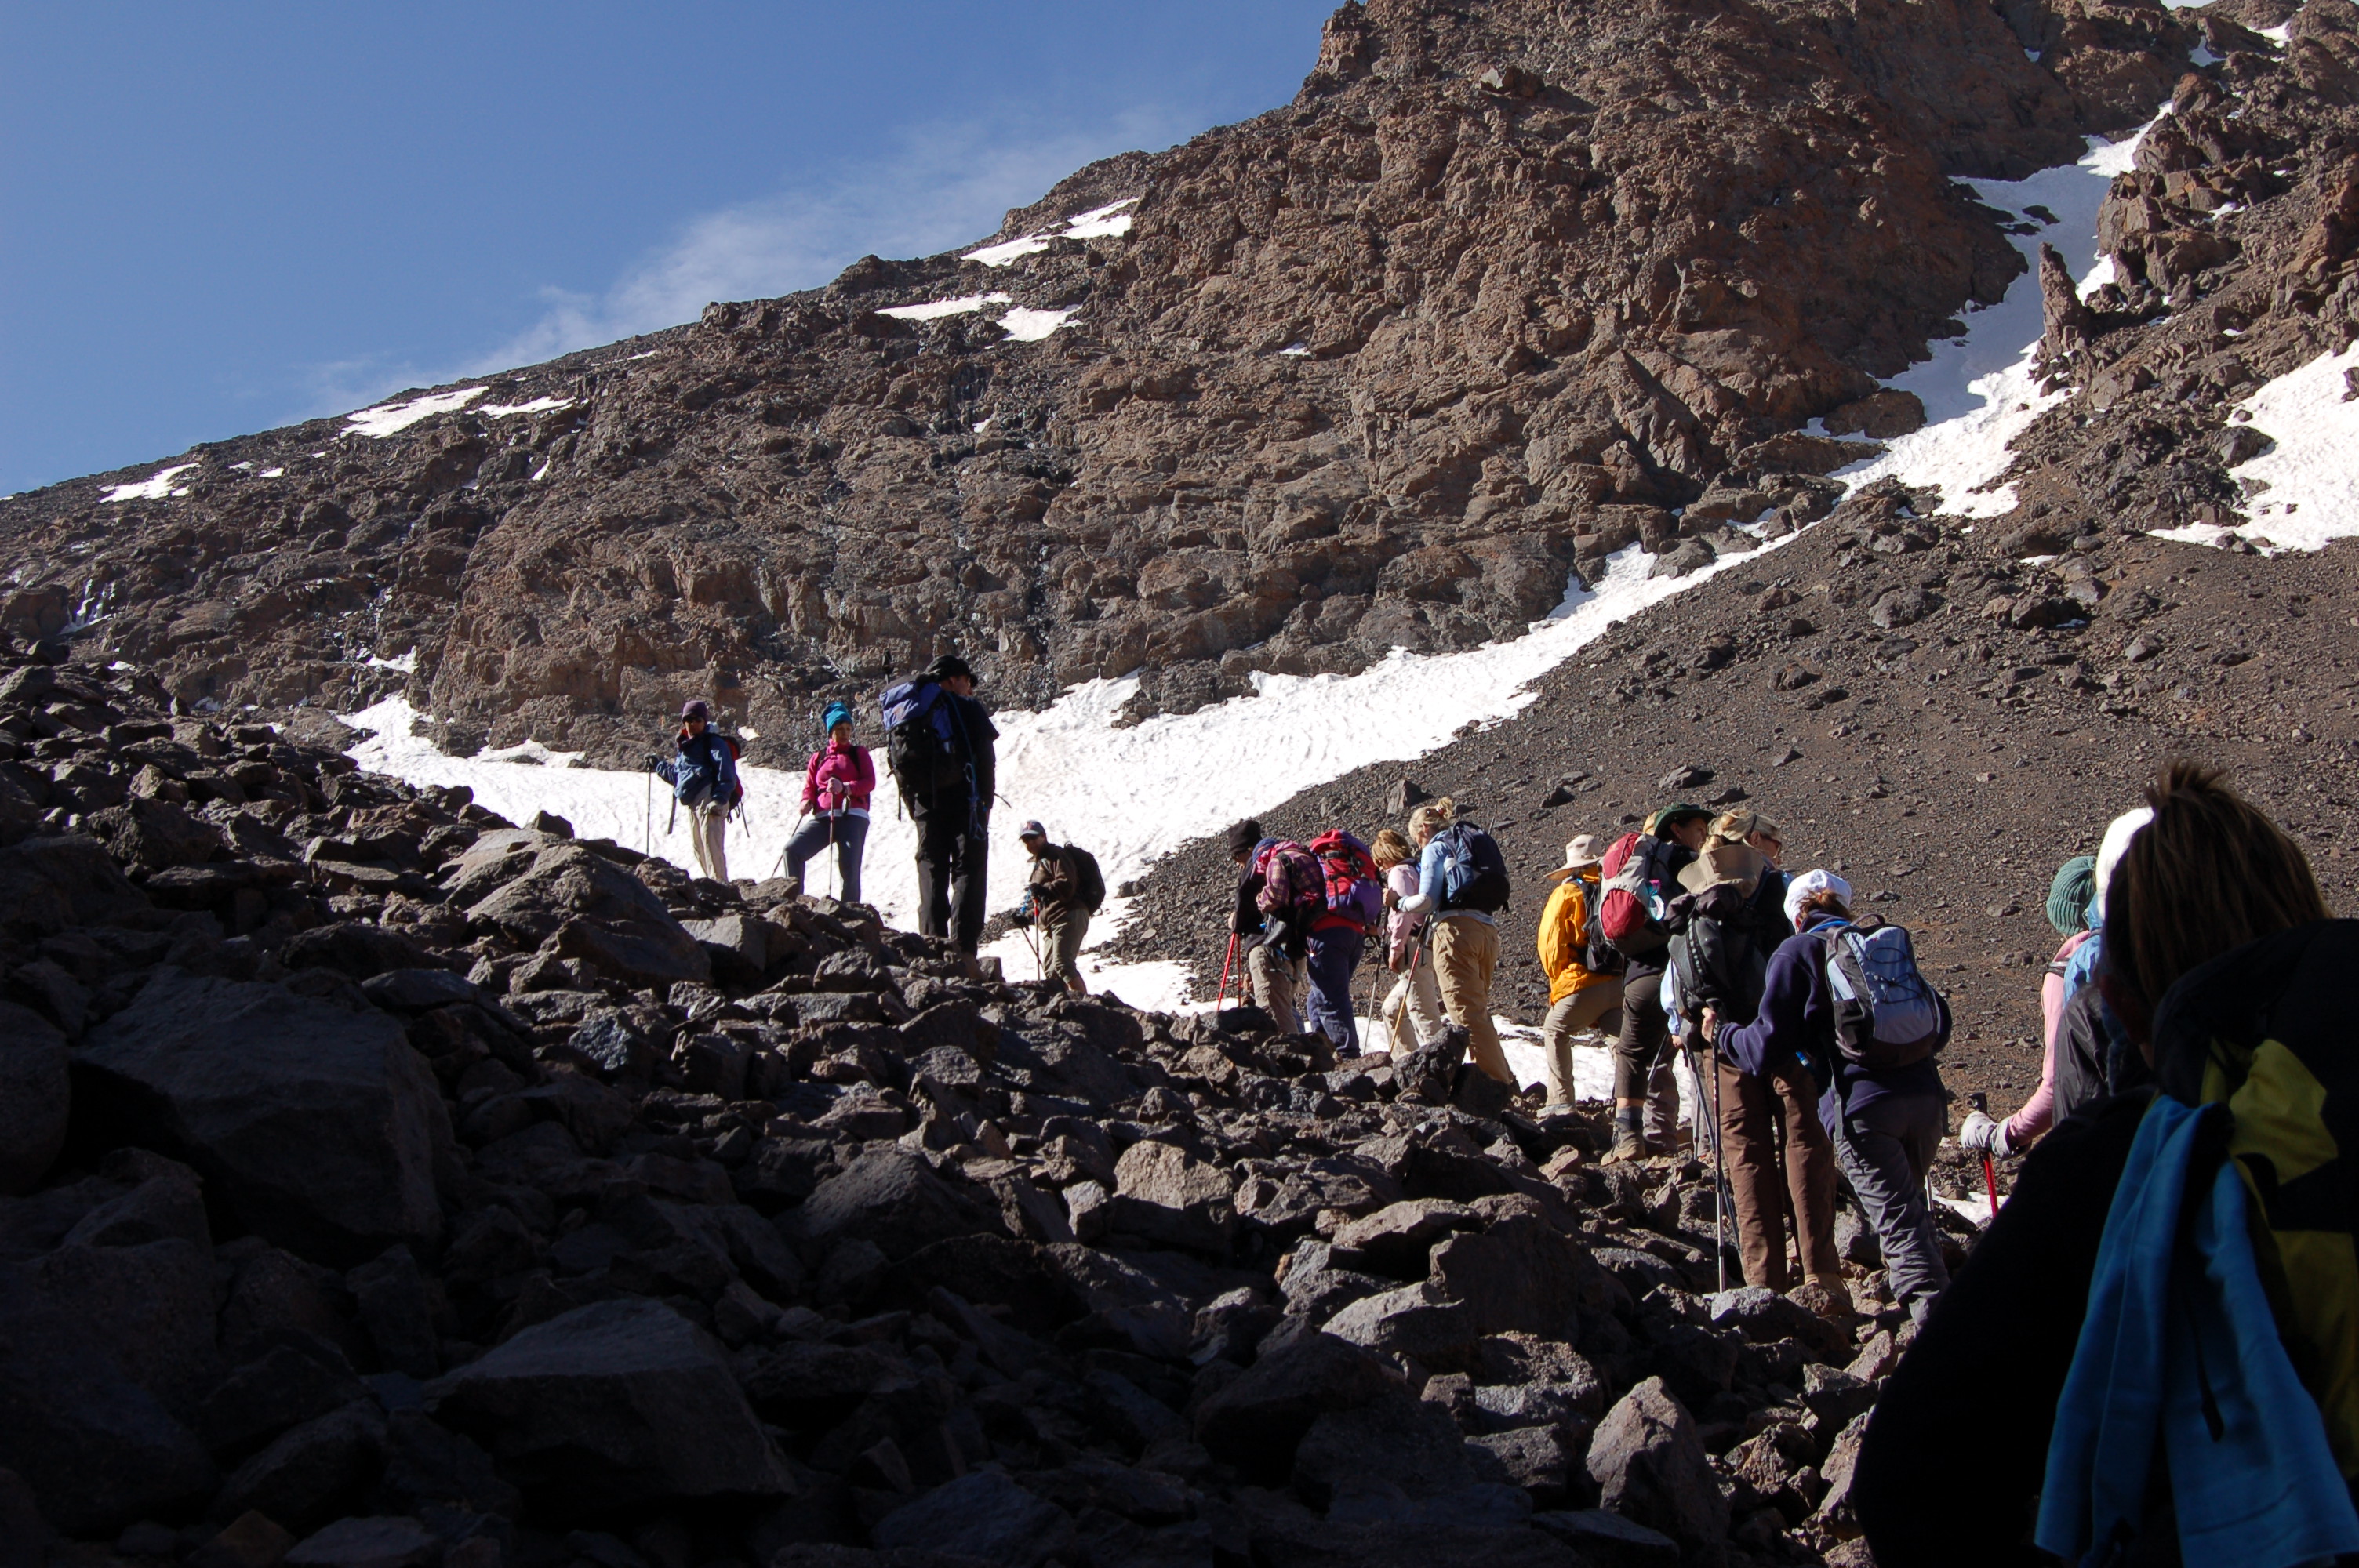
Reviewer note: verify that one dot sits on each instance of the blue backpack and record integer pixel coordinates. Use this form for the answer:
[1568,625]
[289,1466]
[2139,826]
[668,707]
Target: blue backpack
[1888,1014]
[925,744]
[1474,872]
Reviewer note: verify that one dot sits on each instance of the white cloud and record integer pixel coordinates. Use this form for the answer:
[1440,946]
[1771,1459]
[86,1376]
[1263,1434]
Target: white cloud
[946,184]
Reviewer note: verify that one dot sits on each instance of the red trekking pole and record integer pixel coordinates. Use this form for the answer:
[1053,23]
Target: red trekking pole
[1990,1171]
[1223,1000]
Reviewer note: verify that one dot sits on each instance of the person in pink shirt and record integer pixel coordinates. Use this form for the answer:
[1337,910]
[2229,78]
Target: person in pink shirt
[2068,910]
[837,785]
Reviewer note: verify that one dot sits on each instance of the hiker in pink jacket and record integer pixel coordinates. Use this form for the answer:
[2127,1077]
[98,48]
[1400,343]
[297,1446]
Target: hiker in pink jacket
[837,785]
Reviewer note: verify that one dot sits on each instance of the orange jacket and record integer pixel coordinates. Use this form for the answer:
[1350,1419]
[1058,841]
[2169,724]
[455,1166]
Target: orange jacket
[1563,934]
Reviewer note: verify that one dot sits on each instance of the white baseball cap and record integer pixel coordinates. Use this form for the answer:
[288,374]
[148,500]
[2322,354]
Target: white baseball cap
[1809,883]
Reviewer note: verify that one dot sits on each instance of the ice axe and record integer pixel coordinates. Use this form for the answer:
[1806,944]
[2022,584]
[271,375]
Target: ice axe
[1980,1102]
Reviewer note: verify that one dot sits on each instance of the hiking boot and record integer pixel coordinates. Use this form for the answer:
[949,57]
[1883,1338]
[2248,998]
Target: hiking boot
[1629,1136]
[1555,1110]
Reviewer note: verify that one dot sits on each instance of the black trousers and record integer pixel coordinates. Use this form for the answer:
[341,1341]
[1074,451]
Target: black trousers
[952,866]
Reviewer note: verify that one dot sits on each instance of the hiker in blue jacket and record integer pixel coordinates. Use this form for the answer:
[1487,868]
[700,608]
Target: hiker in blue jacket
[1886,1124]
[703,774]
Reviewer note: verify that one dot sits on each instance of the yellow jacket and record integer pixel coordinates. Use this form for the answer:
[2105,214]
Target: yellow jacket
[1563,927]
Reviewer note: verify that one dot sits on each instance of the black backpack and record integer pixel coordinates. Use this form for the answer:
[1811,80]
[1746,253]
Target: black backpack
[1598,956]
[925,741]
[1089,882]
[1474,872]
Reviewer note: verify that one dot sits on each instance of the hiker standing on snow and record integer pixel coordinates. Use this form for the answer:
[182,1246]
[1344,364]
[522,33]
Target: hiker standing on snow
[1457,863]
[2068,910]
[2153,1338]
[1351,903]
[838,784]
[1412,1012]
[939,740]
[1883,1105]
[703,774]
[1057,903]
[1277,950]
[1646,1095]
[1584,974]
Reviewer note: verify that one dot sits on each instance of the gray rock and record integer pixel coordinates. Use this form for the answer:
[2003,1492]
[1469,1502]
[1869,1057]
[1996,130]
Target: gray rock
[1259,1420]
[982,1515]
[1521,1274]
[149,1306]
[1563,1404]
[1834,1396]
[368,1543]
[1840,1469]
[311,1472]
[591,909]
[1317,1285]
[97,1449]
[1396,1239]
[398,1310]
[611,1405]
[1542,1460]
[890,1198]
[1763,1315]
[166,1203]
[1165,1194]
[1414,1320]
[415,991]
[1650,1467]
[1392,1442]
[35,1096]
[50,884]
[286,1386]
[1610,1540]
[316,1127]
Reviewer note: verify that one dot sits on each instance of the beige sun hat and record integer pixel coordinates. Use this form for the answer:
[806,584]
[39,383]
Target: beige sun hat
[1585,850]
[1723,862]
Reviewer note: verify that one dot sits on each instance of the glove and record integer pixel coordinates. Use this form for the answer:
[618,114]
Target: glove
[1980,1132]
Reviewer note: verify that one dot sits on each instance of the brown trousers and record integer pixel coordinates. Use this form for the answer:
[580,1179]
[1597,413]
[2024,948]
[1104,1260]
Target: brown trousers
[1762,1195]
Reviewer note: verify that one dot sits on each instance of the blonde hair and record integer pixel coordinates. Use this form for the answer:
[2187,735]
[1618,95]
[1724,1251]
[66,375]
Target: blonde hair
[1390,850]
[1432,817]
[1736,826]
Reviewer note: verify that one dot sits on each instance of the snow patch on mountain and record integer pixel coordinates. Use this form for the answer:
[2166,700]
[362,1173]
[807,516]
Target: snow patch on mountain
[2303,491]
[155,487]
[391,418]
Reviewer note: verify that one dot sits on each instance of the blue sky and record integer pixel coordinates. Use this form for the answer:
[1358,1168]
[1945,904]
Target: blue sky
[221,218]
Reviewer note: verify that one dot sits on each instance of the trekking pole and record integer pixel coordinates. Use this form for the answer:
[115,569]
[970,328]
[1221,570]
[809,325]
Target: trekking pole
[1980,1102]
[1222,1000]
[647,825]
[785,847]
[1409,990]
[834,872]
[1719,1176]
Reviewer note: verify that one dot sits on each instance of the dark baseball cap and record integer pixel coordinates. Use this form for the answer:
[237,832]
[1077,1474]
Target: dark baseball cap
[1031,831]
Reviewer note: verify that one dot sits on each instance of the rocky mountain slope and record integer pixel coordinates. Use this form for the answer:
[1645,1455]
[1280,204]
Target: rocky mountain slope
[1505,288]
[381,1184]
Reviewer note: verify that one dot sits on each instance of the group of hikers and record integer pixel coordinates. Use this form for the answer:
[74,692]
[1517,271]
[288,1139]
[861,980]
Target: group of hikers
[2156,1347]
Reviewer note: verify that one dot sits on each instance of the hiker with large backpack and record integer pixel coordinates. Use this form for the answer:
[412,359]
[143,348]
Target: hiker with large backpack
[2150,1358]
[1640,877]
[937,742]
[1412,1011]
[1352,904]
[1846,995]
[1775,1151]
[702,771]
[1277,886]
[1064,890]
[1585,973]
[839,782]
[1461,884]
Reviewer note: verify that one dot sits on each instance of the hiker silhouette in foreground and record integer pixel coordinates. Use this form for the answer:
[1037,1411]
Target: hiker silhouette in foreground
[703,769]
[1585,973]
[1640,874]
[2150,1357]
[1412,1011]
[939,743]
[1277,888]
[1461,884]
[1063,890]
[838,784]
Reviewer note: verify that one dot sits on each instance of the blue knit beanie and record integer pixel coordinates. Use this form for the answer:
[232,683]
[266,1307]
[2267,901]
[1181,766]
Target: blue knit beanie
[2069,895]
[837,713]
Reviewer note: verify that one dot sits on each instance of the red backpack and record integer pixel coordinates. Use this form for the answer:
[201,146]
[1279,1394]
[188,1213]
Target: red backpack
[1633,891]
[1354,889]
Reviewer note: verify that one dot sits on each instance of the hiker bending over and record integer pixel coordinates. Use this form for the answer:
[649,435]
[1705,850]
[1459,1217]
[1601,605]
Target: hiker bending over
[1641,878]
[1412,1011]
[1461,881]
[1584,974]
[1883,1105]
[938,742]
[1274,889]
[2153,1338]
[1722,953]
[703,774]
[1063,890]
[837,785]
[2068,910]
[1352,904]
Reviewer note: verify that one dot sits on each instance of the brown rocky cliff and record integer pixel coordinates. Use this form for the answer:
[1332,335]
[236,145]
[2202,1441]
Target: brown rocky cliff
[1504,287]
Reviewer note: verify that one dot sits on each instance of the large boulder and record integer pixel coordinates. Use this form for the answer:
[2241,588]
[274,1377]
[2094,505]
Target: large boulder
[981,1515]
[891,1198]
[50,884]
[1257,1421]
[596,911]
[1165,1194]
[1650,1467]
[98,1451]
[1521,1273]
[610,1406]
[35,1095]
[313,1127]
